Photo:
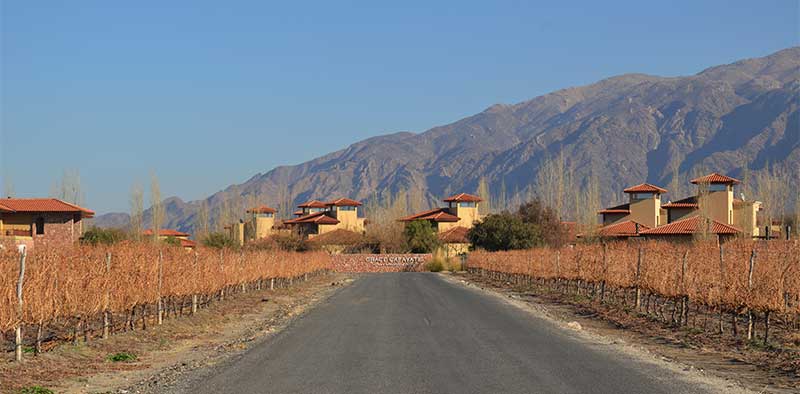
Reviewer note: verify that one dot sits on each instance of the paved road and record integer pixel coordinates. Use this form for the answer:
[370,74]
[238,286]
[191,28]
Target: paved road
[420,333]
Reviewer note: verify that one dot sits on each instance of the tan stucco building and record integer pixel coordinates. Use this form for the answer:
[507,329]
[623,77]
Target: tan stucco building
[40,221]
[645,215]
[315,217]
[453,222]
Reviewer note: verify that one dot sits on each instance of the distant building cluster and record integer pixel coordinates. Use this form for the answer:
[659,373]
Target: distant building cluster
[712,211]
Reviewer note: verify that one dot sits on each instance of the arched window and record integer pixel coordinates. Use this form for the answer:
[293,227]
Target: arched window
[39,225]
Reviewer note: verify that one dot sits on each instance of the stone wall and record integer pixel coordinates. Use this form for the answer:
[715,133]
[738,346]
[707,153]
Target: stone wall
[380,262]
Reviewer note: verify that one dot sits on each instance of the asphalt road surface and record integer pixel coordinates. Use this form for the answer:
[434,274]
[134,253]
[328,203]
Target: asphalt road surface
[420,333]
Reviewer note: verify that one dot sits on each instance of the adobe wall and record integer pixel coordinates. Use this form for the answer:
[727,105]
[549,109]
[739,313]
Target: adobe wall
[380,262]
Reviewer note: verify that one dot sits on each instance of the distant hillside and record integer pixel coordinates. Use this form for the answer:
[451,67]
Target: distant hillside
[624,130]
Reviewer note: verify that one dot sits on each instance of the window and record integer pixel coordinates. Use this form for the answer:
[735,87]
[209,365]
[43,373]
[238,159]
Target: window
[347,208]
[641,196]
[39,225]
[265,215]
[717,187]
[467,204]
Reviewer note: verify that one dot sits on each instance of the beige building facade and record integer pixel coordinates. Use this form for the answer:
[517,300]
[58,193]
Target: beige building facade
[453,222]
[645,215]
[315,218]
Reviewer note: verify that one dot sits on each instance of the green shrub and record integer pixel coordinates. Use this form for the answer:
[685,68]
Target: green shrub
[504,231]
[219,240]
[421,237]
[105,236]
[35,390]
[122,357]
[434,265]
[174,241]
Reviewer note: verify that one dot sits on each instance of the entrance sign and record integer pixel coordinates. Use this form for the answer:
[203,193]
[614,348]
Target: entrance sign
[380,262]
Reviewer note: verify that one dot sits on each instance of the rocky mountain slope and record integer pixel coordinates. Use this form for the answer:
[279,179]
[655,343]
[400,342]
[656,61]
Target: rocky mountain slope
[622,130]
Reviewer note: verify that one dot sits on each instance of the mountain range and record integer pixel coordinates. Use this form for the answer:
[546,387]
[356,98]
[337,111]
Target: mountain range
[621,131]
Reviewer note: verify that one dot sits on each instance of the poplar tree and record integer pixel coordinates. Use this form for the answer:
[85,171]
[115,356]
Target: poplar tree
[156,209]
[137,211]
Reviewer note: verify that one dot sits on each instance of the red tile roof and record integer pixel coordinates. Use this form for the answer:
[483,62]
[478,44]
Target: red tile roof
[262,209]
[166,233]
[688,202]
[436,215]
[463,197]
[187,243]
[623,208]
[715,178]
[297,213]
[344,202]
[316,217]
[645,188]
[691,225]
[627,228]
[455,235]
[42,205]
[313,204]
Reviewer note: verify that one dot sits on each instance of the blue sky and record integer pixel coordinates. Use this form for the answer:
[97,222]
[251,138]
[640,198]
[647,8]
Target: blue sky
[209,93]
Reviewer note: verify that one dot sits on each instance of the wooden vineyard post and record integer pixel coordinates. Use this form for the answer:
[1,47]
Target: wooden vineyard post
[272,283]
[160,306]
[605,273]
[107,302]
[721,327]
[18,329]
[684,318]
[222,272]
[638,273]
[194,296]
[749,290]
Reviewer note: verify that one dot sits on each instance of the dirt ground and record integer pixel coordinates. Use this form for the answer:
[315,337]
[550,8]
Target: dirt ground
[754,368]
[163,352]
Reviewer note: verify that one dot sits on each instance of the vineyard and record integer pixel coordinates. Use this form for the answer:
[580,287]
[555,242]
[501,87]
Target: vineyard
[74,293]
[740,281]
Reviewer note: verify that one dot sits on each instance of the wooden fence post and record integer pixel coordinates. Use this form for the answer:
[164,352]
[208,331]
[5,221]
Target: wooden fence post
[638,274]
[106,312]
[684,297]
[18,330]
[750,289]
[160,306]
[194,296]
[721,327]
[222,272]
[605,273]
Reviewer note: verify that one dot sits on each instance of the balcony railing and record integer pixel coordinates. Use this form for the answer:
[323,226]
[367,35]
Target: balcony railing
[17,233]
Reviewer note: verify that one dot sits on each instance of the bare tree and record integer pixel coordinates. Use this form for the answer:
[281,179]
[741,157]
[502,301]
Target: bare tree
[137,211]
[156,209]
[675,184]
[502,197]
[769,184]
[484,193]
[69,188]
[552,181]
[8,186]
[202,225]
